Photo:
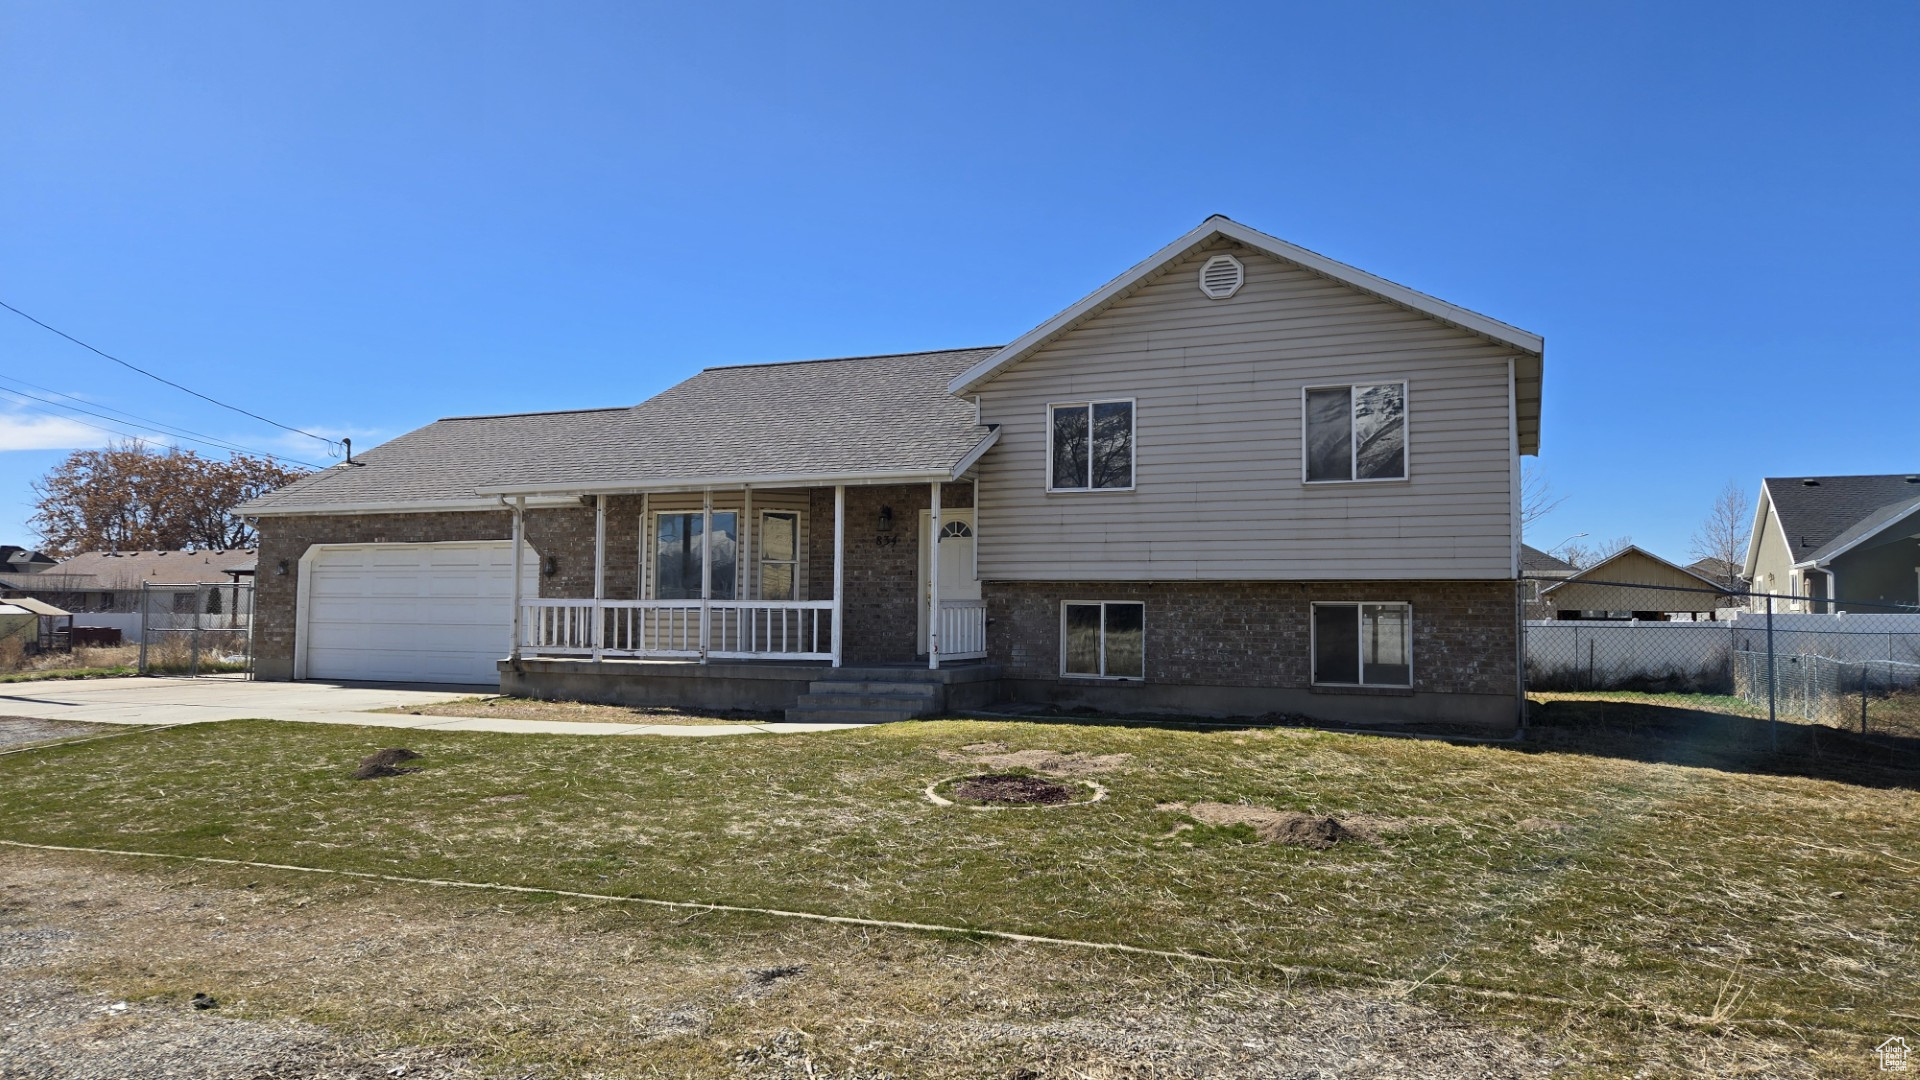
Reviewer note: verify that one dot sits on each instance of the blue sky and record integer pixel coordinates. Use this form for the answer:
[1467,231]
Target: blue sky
[355,218]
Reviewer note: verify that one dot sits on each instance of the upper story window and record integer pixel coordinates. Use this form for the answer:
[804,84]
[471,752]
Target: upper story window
[1090,446]
[1356,432]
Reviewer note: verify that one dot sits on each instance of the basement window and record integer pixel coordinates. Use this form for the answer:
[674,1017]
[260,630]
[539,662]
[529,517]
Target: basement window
[1103,639]
[1363,645]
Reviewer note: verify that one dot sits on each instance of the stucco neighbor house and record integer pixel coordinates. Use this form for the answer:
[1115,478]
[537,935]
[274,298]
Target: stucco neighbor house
[1239,478]
[1852,537]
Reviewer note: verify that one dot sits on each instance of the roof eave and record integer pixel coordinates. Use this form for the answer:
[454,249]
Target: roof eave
[1353,276]
[863,477]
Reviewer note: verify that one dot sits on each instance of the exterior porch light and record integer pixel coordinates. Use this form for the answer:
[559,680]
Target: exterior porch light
[551,566]
[886,519]
[280,569]
[883,529]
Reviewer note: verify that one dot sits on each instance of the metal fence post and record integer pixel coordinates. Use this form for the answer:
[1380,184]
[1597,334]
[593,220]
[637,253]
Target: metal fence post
[142,631]
[1773,719]
[1863,698]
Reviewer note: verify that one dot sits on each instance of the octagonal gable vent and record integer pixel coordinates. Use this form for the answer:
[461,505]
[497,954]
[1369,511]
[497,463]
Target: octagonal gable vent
[1222,276]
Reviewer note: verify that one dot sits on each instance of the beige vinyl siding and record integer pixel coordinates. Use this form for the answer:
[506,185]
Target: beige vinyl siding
[730,500]
[1219,494]
[1771,557]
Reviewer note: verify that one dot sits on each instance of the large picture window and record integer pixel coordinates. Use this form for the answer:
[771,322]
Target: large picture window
[677,548]
[1090,446]
[1103,639]
[1356,432]
[1363,644]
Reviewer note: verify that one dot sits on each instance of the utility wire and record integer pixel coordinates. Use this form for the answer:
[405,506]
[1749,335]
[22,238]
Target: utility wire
[138,433]
[134,420]
[159,379]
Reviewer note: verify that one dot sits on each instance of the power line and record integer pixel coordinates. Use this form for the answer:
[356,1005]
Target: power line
[159,379]
[141,422]
[138,433]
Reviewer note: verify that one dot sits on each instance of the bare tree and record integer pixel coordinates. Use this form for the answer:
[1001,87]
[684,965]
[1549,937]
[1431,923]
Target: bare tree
[1583,556]
[1537,499]
[128,497]
[1722,537]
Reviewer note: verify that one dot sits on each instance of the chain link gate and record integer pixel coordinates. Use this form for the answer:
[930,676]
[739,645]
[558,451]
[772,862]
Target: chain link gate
[197,630]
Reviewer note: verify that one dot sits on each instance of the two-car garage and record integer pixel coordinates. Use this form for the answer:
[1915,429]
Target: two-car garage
[438,613]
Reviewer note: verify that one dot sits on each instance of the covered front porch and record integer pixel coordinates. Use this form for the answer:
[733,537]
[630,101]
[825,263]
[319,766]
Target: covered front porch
[810,577]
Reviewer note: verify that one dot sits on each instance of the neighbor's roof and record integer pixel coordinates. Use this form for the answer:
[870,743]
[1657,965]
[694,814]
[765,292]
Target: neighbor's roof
[34,607]
[23,560]
[1530,347]
[806,422]
[1535,561]
[127,569]
[1608,572]
[1822,515]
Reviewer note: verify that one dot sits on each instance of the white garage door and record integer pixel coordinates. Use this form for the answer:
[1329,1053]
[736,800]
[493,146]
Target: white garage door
[411,612]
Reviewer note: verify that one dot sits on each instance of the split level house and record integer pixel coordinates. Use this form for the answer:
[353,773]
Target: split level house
[1239,478]
[1837,543]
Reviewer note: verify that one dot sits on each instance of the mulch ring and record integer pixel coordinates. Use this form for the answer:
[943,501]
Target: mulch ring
[385,763]
[1011,790]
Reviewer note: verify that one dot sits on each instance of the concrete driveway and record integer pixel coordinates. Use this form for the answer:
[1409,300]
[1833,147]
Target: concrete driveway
[186,701]
[193,701]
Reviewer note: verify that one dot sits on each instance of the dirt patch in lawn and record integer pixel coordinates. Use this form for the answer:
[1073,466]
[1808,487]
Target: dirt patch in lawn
[515,708]
[1010,789]
[17,731]
[1291,827]
[995,755]
[384,763]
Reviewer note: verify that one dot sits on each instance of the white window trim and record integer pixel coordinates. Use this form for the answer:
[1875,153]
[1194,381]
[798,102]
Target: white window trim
[758,588]
[1353,433]
[1313,644]
[1103,676]
[649,549]
[1133,445]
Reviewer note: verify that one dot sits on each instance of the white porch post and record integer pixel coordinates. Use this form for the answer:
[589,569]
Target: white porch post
[839,567]
[599,574]
[706,571]
[933,578]
[743,566]
[519,561]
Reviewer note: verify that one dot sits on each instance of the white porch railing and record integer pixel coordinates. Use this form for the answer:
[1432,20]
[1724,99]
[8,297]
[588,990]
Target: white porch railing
[963,629]
[730,629]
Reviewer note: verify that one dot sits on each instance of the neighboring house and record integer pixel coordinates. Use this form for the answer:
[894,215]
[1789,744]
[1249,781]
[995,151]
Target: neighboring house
[1723,573]
[1540,570]
[110,581]
[1852,537]
[19,560]
[1240,478]
[1634,583]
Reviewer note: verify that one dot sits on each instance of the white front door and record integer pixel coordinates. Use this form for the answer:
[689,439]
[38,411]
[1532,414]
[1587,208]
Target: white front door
[957,578]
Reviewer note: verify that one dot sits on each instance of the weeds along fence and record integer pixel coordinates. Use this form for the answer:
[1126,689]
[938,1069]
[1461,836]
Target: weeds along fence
[1837,663]
[196,629]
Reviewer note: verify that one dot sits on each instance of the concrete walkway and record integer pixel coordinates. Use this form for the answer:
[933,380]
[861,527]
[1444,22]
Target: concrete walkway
[197,701]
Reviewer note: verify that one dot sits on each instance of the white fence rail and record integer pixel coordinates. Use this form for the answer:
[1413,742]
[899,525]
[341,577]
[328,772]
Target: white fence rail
[963,629]
[680,629]
[1700,655]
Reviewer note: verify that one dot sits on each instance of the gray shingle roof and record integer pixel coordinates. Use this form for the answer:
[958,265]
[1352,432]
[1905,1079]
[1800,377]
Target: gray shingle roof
[1825,513]
[872,415]
[442,462]
[1535,561]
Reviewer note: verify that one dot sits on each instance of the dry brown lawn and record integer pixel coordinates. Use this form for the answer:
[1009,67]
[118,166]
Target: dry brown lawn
[519,708]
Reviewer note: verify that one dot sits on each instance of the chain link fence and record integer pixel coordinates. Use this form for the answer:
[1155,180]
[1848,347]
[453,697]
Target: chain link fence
[1835,663]
[196,630]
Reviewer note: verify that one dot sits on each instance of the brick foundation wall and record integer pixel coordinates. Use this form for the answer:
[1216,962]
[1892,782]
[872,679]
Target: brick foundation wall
[1255,634]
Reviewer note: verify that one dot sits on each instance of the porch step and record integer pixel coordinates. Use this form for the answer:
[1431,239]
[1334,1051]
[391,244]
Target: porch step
[865,701]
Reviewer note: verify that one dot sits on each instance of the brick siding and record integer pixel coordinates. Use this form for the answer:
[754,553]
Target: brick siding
[1255,634]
